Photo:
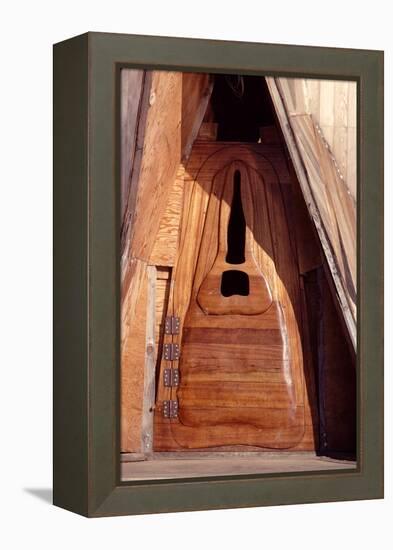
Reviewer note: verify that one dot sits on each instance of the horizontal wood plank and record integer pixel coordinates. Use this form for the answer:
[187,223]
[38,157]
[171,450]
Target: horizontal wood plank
[196,466]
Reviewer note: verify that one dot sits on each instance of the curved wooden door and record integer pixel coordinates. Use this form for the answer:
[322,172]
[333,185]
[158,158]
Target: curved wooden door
[241,364]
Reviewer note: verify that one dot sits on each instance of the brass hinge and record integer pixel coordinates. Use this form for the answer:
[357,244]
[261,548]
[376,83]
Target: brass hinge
[170,409]
[171,352]
[172,325]
[171,378]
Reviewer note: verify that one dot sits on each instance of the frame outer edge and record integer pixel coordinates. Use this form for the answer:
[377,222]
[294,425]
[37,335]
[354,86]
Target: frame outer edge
[106,495]
[371,264]
[70,272]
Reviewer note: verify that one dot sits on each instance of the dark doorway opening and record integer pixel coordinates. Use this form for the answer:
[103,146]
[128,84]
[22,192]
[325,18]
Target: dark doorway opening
[240,105]
[236,236]
[235,282]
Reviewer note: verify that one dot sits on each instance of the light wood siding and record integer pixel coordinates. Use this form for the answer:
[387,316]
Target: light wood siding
[332,104]
[315,118]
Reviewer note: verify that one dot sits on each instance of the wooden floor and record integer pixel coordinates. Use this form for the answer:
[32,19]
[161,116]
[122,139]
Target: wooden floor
[179,465]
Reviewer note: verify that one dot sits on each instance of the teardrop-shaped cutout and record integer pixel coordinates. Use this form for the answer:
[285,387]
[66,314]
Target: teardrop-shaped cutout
[236,233]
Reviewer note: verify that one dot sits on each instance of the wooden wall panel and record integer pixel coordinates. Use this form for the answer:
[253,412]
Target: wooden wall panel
[133,348]
[197,89]
[161,112]
[131,88]
[167,239]
[326,114]
[159,163]
[149,371]
[153,174]
[328,198]
[337,207]
[332,105]
[307,244]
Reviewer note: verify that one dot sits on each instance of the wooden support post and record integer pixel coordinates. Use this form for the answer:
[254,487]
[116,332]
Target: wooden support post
[150,360]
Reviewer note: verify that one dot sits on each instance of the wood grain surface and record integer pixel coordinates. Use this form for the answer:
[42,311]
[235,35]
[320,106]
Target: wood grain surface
[155,164]
[133,346]
[166,242]
[168,467]
[196,92]
[332,105]
[242,379]
[247,331]
[132,86]
[161,112]
[210,298]
[327,195]
[336,206]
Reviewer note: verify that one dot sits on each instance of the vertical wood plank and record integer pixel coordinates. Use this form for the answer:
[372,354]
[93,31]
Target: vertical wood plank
[312,90]
[352,161]
[196,91]
[340,104]
[332,105]
[326,105]
[300,95]
[352,100]
[340,147]
[166,242]
[352,138]
[133,338]
[149,378]
[326,109]
[285,86]
[131,86]
[161,152]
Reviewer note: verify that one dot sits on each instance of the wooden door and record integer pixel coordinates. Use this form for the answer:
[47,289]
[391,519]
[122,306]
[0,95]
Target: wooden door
[236,291]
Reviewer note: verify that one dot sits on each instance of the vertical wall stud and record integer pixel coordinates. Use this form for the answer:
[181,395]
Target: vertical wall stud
[150,360]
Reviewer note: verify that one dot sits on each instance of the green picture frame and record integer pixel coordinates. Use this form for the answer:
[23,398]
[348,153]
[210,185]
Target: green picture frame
[86,475]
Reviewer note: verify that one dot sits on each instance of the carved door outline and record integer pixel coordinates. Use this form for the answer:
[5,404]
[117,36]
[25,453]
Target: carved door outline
[274,266]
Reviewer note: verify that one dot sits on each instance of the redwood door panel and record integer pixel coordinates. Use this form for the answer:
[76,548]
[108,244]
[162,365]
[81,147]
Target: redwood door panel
[236,289]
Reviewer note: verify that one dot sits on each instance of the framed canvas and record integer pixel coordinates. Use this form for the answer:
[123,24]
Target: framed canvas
[218,274]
